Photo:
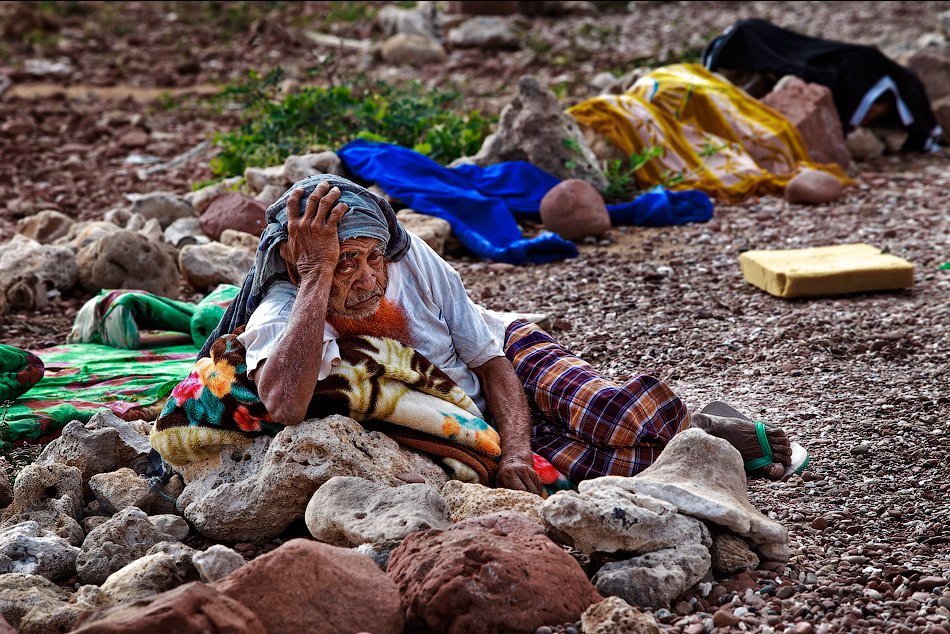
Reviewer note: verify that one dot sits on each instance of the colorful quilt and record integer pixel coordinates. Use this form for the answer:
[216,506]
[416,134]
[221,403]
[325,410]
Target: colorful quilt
[378,379]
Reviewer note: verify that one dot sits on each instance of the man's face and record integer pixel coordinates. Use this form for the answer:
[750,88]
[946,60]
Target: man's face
[360,279]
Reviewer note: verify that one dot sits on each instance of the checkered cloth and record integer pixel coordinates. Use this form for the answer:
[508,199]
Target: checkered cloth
[585,425]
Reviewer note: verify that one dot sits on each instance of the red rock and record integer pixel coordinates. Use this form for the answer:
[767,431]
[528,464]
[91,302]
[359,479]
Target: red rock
[501,523]
[457,581]
[819,523]
[133,138]
[812,186]
[6,628]
[725,618]
[233,211]
[811,108]
[194,608]
[574,209]
[305,587]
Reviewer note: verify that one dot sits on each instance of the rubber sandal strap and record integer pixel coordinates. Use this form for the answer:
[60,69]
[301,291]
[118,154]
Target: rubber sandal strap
[767,457]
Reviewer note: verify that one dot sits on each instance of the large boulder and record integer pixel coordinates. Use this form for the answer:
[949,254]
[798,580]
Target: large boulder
[703,476]
[205,266]
[51,496]
[478,581]
[45,226]
[349,511]
[232,210]
[32,550]
[468,500]
[30,270]
[609,519]
[811,108]
[305,587]
[574,209]
[126,259]
[534,128]
[194,608]
[253,493]
[655,579]
[118,542]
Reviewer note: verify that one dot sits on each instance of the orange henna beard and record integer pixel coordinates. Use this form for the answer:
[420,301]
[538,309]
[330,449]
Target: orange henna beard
[389,320]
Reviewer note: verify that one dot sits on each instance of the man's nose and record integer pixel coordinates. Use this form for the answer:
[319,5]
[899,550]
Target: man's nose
[366,277]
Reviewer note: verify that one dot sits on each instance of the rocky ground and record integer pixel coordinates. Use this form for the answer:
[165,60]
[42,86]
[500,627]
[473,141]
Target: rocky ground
[860,381]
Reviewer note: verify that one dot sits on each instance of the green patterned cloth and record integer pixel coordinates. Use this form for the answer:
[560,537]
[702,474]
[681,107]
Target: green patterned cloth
[82,379]
[19,371]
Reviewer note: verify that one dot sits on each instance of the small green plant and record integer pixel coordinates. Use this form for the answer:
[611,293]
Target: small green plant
[350,11]
[15,456]
[327,117]
[621,173]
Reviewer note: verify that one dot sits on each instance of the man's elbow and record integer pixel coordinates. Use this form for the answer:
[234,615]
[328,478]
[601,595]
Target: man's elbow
[283,411]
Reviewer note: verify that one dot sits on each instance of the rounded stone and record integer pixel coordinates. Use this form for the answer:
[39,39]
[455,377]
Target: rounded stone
[575,209]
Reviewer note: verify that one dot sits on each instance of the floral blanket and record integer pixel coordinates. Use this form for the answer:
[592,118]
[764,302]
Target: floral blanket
[377,380]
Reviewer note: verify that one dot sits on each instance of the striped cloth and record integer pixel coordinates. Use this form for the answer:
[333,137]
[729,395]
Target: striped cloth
[585,425]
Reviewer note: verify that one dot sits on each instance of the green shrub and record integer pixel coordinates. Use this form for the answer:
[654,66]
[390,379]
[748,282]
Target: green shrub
[328,117]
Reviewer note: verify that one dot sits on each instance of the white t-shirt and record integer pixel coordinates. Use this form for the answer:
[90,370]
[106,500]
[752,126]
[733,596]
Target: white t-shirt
[445,325]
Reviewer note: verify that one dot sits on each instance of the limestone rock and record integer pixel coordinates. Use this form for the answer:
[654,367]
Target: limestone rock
[863,145]
[132,447]
[159,570]
[35,551]
[30,270]
[608,519]
[811,108]
[217,562]
[456,581]
[92,451]
[185,231]
[655,579]
[334,590]
[534,128]
[257,178]
[6,491]
[393,20]
[45,226]
[472,500]
[84,233]
[573,209]
[813,186]
[201,198]
[489,32]
[933,70]
[232,210]
[121,489]
[349,511]
[207,265]
[33,604]
[239,239]
[299,166]
[194,608]
[165,207]
[126,259]
[703,476]
[731,555]
[172,525]
[269,195]
[153,231]
[121,540]
[50,495]
[412,50]
[433,231]
[253,493]
[613,615]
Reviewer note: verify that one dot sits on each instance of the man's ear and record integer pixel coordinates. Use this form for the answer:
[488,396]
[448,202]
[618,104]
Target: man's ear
[282,248]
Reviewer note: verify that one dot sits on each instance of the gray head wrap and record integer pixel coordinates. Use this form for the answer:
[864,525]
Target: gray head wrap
[369,216]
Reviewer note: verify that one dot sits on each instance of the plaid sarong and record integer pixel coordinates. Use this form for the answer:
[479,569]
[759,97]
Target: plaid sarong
[584,424]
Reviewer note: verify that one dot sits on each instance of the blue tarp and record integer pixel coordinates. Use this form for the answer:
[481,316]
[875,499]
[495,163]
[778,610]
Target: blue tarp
[482,204]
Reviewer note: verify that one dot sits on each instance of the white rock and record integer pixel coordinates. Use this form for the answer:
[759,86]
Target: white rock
[120,489]
[433,231]
[207,265]
[50,495]
[35,551]
[492,32]
[162,569]
[185,231]
[165,207]
[234,238]
[124,538]
[270,194]
[30,270]
[257,178]
[132,447]
[172,525]
[654,579]
[200,199]
[217,562]
[299,166]
[468,500]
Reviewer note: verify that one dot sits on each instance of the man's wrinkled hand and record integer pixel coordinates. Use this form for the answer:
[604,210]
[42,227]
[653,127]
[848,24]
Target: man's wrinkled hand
[518,474]
[312,240]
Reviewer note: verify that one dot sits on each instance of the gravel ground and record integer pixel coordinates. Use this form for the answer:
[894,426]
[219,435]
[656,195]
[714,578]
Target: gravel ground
[860,381]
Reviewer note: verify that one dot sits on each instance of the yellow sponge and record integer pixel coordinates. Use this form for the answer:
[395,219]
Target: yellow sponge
[835,270]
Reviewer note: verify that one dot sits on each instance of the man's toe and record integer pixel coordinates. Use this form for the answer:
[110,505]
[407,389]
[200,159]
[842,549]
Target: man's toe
[774,471]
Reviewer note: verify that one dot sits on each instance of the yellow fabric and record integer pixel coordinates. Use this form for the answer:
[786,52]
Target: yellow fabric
[822,271]
[686,110]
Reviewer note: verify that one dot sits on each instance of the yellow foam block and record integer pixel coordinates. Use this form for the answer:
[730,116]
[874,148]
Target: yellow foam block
[835,270]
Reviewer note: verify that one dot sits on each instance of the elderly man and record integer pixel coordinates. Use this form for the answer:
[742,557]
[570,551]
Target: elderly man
[334,261]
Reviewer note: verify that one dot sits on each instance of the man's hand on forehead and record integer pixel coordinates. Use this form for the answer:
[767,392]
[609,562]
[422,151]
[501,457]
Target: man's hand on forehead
[313,244]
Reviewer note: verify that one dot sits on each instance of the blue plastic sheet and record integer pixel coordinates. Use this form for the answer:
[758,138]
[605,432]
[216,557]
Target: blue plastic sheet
[483,204]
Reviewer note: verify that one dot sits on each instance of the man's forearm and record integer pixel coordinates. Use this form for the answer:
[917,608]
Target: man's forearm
[506,401]
[288,377]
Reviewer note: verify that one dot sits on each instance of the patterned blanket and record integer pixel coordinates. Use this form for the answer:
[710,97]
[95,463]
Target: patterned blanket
[377,380]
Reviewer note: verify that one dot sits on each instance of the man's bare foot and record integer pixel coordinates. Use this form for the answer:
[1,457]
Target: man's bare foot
[741,434]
